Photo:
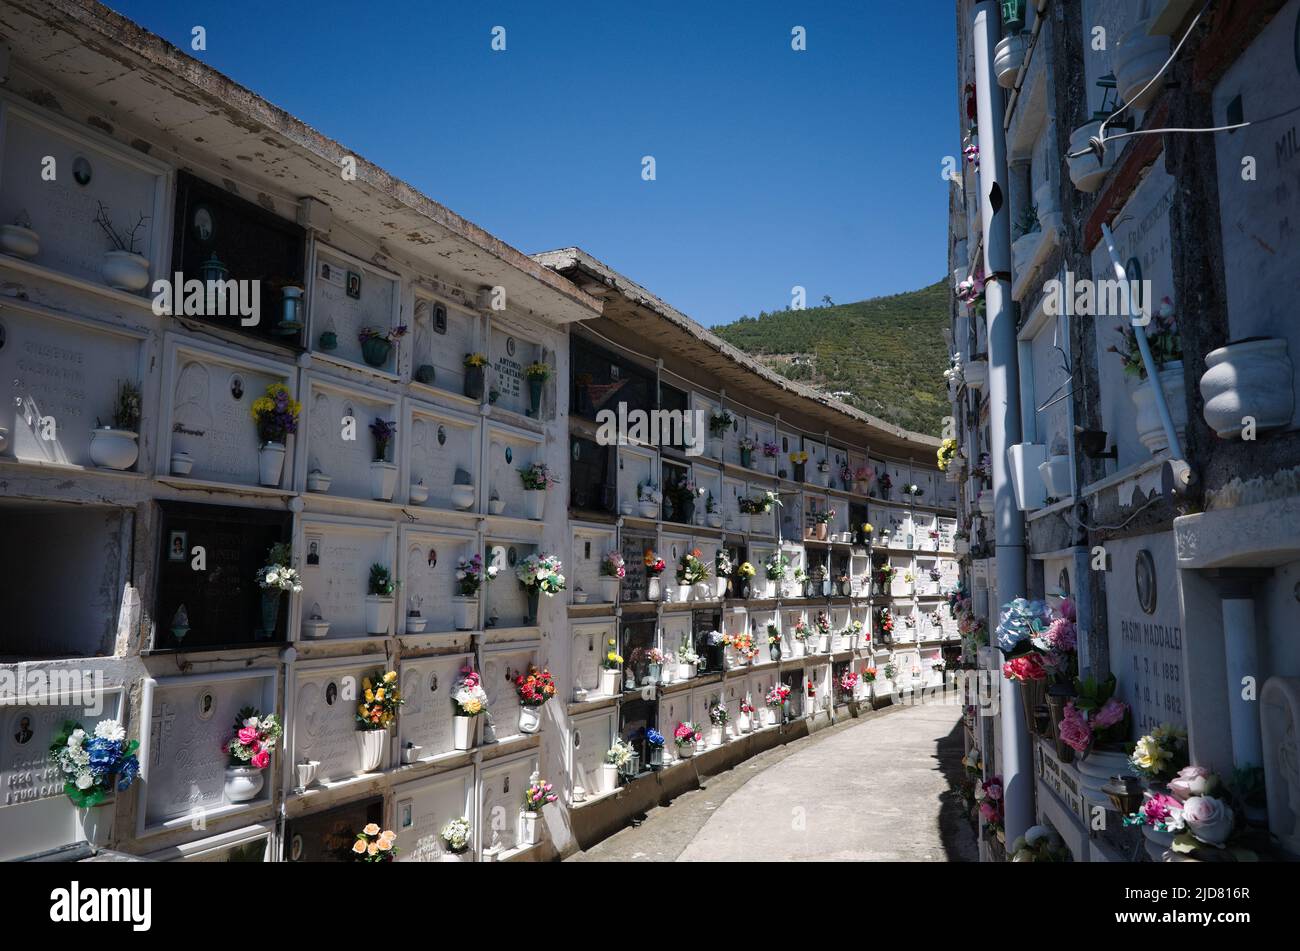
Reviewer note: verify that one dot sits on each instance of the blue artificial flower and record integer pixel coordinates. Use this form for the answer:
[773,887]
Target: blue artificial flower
[1021,621]
[130,769]
[104,755]
[654,737]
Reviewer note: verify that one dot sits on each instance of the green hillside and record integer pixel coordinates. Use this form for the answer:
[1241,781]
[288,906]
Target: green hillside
[888,353]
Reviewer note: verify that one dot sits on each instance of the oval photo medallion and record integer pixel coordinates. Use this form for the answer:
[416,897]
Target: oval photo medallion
[1144,577]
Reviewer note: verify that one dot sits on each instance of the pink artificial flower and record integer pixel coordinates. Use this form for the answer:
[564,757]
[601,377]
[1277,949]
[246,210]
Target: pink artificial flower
[989,811]
[993,788]
[261,759]
[248,736]
[1074,730]
[1161,808]
[1025,667]
[1111,712]
[1061,635]
[1193,781]
[1067,610]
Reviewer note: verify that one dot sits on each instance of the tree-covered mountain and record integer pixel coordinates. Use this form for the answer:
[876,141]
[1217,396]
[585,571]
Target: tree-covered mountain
[885,355]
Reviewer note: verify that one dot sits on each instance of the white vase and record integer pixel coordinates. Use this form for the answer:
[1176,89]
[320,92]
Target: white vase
[986,502]
[685,671]
[114,448]
[976,373]
[416,624]
[383,480]
[449,856]
[496,506]
[798,647]
[307,773]
[742,723]
[1253,379]
[1086,172]
[652,589]
[535,503]
[243,783]
[318,481]
[462,497]
[462,730]
[379,614]
[372,745]
[769,716]
[19,241]
[683,593]
[1136,60]
[125,271]
[465,613]
[411,753]
[529,827]
[1151,432]
[182,463]
[96,823]
[530,719]
[1056,476]
[270,464]
[719,588]
[714,519]
[609,682]
[608,777]
[608,589]
[717,735]
[648,509]
[1008,56]
[418,494]
[685,750]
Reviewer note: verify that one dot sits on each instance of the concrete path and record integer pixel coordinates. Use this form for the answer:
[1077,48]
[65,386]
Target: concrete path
[877,789]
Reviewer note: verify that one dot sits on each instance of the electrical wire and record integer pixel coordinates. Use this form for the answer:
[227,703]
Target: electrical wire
[1080,523]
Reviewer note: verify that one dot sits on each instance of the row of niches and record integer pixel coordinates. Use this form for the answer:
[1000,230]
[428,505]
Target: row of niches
[230,576]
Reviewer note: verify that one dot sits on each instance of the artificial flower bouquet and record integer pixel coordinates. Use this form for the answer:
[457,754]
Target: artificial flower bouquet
[718,715]
[620,754]
[777,696]
[471,573]
[536,477]
[869,675]
[775,566]
[380,700]
[723,566]
[455,835]
[612,566]
[746,570]
[988,794]
[541,573]
[254,739]
[473,360]
[654,565]
[275,414]
[770,450]
[686,655]
[719,422]
[613,660]
[535,687]
[94,763]
[1039,844]
[744,645]
[691,570]
[824,517]
[887,623]
[801,631]
[686,735]
[277,575]
[822,623]
[468,696]
[538,794]
[848,683]
[1094,717]
[1199,812]
[374,845]
[1161,754]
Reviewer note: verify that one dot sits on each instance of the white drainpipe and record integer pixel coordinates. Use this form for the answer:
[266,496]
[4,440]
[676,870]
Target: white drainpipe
[1004,403]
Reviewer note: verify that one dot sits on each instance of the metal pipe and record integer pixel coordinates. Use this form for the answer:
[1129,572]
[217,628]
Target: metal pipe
[1004,402]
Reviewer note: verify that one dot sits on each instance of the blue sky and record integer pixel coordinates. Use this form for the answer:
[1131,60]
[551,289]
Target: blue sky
[774,167]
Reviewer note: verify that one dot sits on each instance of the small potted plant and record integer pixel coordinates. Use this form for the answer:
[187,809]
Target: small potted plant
[824,472]
[612,573]
[823,523]
[654,666]
[539,574]
[534,688]
[469,701]
[719,422]
[801,632]
[537,479]
[415,621]
[610,666]
[690,572]
[376,713]
[249,749]
[455,837]
[718,718]
[116,446]
[537,373]
[94,764]
[124,267]
[379,600]
[275,579]
[474,364]
[383,474]
[374,845]
[688,661]
[276,415]
[377,345]
[538,794]
[654,748]
[685,737]
[470,575]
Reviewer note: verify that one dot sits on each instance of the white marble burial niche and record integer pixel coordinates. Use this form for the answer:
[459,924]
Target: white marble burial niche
[422,807]
[443,444]
[509,451]
[340,445]
[428,577]
[589,738]
[441,336]
[347,296]
[335,563]
[502,785]
[509,355]
[325,697]
[425,718]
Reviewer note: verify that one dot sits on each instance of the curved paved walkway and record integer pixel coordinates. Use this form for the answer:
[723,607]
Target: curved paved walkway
[878,789]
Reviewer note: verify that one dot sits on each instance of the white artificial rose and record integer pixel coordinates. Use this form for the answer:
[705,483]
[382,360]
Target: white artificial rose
[110,730]
[85,781]
[1209,819]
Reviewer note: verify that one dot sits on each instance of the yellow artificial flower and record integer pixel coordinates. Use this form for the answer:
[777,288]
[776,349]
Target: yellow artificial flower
[370,695]
[359,846]
[390,676]
[361,709]
[365,683]
[371,829]
[472,706]
[379,694]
